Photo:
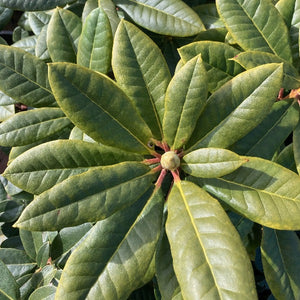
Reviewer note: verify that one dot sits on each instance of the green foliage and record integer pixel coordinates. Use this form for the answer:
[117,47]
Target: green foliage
[136,171]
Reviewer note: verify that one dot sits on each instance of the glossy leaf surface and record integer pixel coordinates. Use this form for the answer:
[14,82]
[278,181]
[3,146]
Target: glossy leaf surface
[95,43]
[125,244]
[211,162]
[209,259]
[142,72]
[262,191]
[256,25]
[280,257]
[41,167]
[216,58]
[24,78]
[185,99]
[168,17]
[242,103]
[99,193]
[96,105]
[63,34]
[31,126]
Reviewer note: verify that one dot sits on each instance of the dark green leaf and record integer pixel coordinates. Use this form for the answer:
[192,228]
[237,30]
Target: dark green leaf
[63,34]
[24,78]
[8,286]
[28,5]
[32,242]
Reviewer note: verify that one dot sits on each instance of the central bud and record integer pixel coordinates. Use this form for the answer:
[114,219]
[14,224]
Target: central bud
[170,161]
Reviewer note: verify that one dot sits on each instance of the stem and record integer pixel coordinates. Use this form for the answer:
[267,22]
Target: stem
[151,161]
[176,176]
[160,178]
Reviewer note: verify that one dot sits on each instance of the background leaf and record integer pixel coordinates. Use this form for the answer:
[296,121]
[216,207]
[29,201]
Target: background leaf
[280,257]
[205,247]
[8,285]
[96,105]
[95,43]
[168,17]
[256,25]
[28,5]
[142,72]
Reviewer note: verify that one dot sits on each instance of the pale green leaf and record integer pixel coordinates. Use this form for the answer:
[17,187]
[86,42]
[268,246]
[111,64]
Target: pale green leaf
[9,288]
[251,59]
[209,15]
[265,139]
[262,191]
[43,292]
[31,126]
[211,162]
[95,104]
[37,21]
[280,251]
[142,72]
[41,48]
[31,241]
[41,167]
[24,77]
[256,25]
[242,103]
[110,10]
[63,34]
[89,6]
[29,5]
[27,44]
[168,17]
[185,99]
[95,43]
[209,259]
[99,193]
[216,58]
[124,246]
[6,111]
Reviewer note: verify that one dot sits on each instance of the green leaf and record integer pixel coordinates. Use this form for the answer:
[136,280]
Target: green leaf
[262,191]
[185,99]
[17,262]
[43,255]
[242,103]
[27,44]
[142,72]
[32,242]
[95,104]
[31,126]
[24,78]
[8,286]
[265,139]
[209,259]
[28,5]
[41,48]
[111,11]
[166,278]
[286,158]
[216,58]
[168,17]
[10,210]
[43,292]
[209,15]
[63,34]
[99,193]
[95,43]
[252,59]
[5,16]
[41,167]
[256,25]
[6,111]
[280,251]
[211,162]
[38,20]
[125,244]
[296,146]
